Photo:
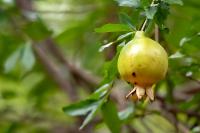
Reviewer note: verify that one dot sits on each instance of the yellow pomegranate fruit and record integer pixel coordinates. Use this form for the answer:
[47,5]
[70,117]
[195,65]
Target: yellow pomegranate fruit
[142,62]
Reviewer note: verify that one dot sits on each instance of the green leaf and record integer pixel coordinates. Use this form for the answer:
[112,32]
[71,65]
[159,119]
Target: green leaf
[126,113]
[190,46]
[120,38]
[124,18]
[80,108]
[91,105]
[129,3]
[188,39]
[12,60]
[179,2]
[145,3]
[161,15]
[99,93]
[110,117]
[178,54]
[123,36]
[150,12]
[110,68]
[91,115]
[28,58]
[113,28]
[105,46]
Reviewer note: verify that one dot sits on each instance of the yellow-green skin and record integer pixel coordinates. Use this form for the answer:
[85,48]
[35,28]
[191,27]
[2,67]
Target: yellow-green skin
[142,61]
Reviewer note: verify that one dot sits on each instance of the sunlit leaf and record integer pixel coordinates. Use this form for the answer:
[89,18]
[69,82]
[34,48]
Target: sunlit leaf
[91,115]
[80,108]
[125,35]
[129,3]
[126,113]
[12,60]
[179,2]
[178,54]
[120,38]
[28,58]
[113,28]
[99,93]
[105,46]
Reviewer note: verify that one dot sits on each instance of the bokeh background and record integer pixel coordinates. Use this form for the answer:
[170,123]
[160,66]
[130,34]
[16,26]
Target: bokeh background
[49,58]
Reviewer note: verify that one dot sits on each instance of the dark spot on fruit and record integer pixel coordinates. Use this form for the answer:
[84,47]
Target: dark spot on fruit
[133,74]
[135,83]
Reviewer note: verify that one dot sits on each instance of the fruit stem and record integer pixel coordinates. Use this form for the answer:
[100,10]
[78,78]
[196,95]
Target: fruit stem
[144,25]
[146,20]
[156,33]
[130,93]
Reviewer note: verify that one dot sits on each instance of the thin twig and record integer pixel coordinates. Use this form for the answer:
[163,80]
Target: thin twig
[144,24]
[157,34]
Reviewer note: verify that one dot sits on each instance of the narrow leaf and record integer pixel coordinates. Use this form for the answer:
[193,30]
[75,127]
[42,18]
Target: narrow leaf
[80,108]
[129,3]
[99,93]
[12,60]
[28,58]
[125,36]
[179,2]
[105,46]
[126,113]
[120,38]
[113,28]
[178,54]
[91,115]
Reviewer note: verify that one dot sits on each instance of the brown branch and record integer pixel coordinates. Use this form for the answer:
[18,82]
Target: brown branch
[24,5]
[192,91]
[77,72]
[54,72]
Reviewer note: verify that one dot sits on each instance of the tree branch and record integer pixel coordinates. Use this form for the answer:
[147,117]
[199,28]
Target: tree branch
[77,72]
[54,72]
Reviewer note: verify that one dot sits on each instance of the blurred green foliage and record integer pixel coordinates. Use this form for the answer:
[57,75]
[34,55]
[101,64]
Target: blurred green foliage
[32,101]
